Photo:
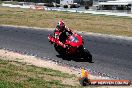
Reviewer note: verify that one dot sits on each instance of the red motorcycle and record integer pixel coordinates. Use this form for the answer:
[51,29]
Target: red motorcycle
[71,46]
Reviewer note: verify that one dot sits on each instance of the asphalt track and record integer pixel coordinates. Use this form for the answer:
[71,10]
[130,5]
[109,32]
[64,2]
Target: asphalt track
[111,56]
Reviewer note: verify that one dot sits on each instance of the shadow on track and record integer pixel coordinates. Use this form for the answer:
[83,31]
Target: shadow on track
[73,58]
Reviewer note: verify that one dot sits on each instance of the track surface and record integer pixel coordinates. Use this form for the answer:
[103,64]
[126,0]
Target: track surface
[112,57]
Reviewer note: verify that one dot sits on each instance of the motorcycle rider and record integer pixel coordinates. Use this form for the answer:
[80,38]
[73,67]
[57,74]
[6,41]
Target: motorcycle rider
[61,32]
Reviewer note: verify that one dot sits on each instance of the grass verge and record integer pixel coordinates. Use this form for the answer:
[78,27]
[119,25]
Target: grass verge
[19,75]
[77,21]
[9,2]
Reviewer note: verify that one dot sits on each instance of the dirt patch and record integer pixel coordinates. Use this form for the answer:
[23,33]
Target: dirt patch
[32,60]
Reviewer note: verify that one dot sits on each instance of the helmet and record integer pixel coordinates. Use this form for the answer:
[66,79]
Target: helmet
[61,25]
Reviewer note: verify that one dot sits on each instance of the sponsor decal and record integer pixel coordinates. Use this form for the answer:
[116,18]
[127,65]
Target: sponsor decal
[85,81]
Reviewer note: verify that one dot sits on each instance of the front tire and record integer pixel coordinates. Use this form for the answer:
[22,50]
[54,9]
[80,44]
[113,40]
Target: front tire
[59,49]
[87,55]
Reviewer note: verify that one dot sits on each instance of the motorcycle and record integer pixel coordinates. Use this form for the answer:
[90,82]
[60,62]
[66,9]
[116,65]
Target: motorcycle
[71,46]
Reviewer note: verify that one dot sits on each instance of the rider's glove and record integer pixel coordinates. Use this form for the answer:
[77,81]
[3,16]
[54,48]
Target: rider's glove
[64,46]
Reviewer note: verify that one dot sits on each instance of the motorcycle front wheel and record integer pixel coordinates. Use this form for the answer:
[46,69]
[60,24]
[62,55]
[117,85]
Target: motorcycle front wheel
[59,49]
[87,55]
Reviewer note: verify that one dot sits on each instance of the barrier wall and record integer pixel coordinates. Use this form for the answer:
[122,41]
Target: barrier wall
[24,6]
[69,10]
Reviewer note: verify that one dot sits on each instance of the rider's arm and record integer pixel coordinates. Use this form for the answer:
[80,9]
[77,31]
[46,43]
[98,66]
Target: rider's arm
[69,30]
[56,33]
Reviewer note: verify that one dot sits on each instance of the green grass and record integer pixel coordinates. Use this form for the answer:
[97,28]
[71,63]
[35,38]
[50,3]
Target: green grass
[76,21]
[17,75]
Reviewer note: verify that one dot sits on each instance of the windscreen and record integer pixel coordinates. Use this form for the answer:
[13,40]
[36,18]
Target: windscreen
[73,39]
